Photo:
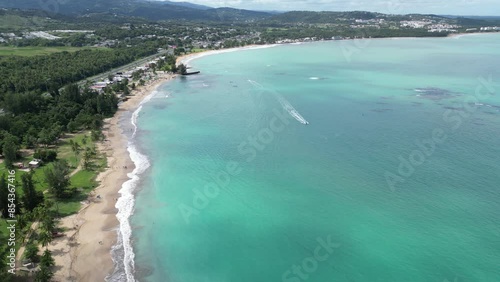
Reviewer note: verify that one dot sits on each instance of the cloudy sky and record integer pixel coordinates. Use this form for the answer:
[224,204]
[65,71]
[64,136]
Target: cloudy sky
[456,7]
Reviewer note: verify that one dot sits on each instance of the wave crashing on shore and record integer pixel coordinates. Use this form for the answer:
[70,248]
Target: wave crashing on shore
[123,253]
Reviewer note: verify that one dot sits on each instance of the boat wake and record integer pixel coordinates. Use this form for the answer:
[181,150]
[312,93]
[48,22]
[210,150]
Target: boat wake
[284,103]
[291,110]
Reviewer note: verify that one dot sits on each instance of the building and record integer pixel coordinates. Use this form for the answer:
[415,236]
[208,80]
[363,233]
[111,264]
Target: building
[35,163]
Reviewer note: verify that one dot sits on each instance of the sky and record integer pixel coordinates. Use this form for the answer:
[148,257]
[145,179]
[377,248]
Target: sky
[448,7]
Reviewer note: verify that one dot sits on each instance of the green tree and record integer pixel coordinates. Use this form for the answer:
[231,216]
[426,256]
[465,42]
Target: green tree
[31,198]
[9,150]
[72,126]
[87,159]
[23,220]
[96,135]
[45,274]
[75,147]
[47,223]
[31,252]
[182,69]
[4,275]
[45,237]
[47,260]
[58,179]
[4,201]
[44,137]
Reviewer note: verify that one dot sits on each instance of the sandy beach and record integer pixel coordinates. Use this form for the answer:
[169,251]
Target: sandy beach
[84,253]
[185,59]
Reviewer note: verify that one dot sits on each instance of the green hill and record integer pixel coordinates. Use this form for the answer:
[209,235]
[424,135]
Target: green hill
[151,10]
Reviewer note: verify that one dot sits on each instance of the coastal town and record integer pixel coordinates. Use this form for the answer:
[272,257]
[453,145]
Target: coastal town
[181,38]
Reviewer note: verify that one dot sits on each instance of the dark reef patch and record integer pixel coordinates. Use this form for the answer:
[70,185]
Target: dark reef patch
[434,93]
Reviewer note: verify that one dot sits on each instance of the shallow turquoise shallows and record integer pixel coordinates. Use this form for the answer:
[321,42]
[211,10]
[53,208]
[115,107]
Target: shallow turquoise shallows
[342,161]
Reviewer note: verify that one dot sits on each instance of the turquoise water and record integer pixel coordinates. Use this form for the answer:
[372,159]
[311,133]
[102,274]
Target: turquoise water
[395,178]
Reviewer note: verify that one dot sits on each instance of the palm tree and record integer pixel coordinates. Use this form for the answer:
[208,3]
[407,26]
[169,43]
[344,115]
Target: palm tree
[75,147]
[44,274]
[45,237]
[46,259]
[182,69]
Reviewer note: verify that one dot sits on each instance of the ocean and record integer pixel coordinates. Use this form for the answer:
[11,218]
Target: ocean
[350,161]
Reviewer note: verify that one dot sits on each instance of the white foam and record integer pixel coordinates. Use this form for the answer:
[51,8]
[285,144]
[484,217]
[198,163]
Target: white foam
[125,206]
[126,201]
[291,110]
[314,78]
[284,103]
[256,84]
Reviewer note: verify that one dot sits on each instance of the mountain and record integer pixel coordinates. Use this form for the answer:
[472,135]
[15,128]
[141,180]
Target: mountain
[186,4]
[151,10]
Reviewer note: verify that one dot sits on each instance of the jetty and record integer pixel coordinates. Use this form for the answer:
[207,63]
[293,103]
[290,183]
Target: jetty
[191,73]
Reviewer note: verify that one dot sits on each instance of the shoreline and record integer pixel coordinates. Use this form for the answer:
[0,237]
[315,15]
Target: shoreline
[85,252]
[185,59]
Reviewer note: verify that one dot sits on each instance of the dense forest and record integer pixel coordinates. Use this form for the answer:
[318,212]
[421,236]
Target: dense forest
[36,109]
[49,73]
[32,119]
[39,102]
[273,35]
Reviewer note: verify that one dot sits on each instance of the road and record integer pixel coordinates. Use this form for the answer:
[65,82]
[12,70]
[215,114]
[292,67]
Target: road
[125,68]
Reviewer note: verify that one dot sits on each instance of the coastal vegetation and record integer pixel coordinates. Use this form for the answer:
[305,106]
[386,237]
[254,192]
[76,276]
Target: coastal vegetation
[39,74]
[45,194]
[51,117]
[57,128]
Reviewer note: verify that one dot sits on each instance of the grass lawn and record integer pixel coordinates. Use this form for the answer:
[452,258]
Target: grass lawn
[33,51]
[64,151]
[83,180]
